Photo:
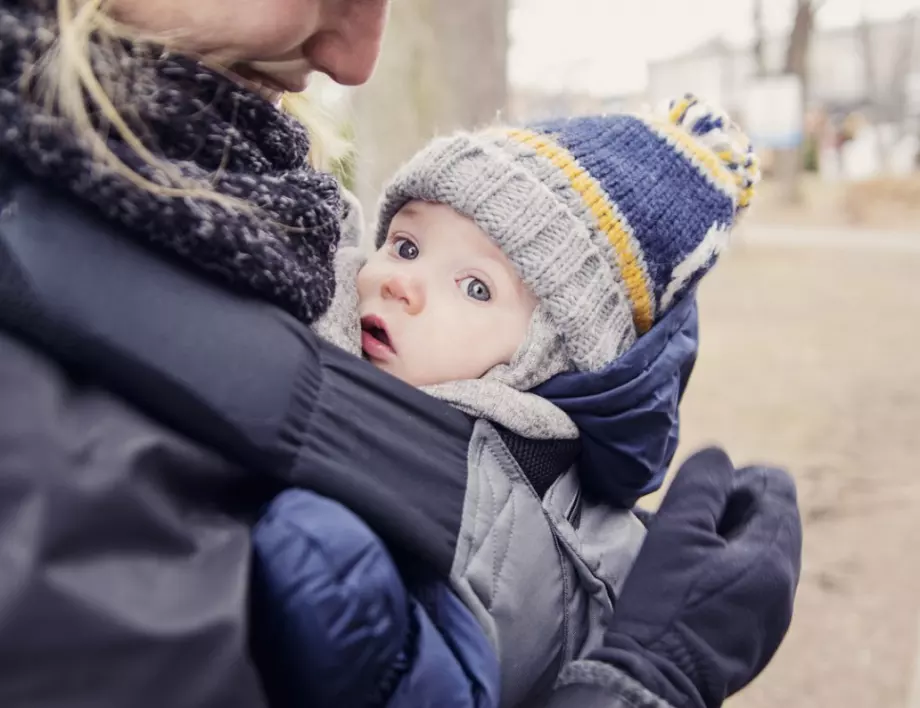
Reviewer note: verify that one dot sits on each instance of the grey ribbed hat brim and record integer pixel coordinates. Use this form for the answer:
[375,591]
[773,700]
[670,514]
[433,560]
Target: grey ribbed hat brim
[501,188]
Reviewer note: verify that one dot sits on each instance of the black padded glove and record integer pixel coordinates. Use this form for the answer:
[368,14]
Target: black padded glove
[710,597]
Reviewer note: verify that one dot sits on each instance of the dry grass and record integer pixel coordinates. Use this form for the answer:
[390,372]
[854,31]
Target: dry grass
[889,203]
[884,201]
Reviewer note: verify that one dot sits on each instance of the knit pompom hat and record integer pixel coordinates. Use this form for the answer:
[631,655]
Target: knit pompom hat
[608,219]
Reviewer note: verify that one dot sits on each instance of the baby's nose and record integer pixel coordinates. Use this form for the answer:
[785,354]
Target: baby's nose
[408,290]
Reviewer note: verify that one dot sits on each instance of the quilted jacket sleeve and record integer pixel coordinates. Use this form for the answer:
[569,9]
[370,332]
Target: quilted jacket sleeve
[334,624]
[590,684]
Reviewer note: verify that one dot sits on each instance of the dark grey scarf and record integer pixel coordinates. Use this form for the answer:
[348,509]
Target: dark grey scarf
[211,130]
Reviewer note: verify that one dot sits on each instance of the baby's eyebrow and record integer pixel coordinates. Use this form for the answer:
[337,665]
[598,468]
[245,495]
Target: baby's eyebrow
[409,209]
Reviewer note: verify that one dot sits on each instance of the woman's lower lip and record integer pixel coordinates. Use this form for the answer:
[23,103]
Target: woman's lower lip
[267,84]
[375,349]
[292,76]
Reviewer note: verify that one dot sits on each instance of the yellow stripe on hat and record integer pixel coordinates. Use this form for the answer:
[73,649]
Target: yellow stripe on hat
[609,221]
[706,161]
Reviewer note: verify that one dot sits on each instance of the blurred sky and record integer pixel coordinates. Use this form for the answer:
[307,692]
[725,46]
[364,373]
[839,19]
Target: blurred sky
[602,46]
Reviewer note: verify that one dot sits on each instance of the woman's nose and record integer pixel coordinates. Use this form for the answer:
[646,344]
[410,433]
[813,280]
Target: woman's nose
[347,50]
[407,290]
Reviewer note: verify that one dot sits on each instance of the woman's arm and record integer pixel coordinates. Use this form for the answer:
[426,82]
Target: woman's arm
[233,373]
[122,582]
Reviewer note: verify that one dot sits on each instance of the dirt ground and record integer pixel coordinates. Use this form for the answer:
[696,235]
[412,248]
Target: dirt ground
[809,359]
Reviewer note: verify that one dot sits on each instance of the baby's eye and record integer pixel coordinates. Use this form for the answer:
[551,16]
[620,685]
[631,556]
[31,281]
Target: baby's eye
[476,289]
[405,249]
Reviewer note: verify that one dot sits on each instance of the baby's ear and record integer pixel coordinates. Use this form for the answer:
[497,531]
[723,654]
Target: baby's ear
[353,226]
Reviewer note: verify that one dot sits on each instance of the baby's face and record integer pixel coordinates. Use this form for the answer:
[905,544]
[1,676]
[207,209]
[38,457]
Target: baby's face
[439,301]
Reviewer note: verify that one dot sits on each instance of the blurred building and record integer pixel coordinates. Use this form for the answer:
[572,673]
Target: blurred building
[866,75]
[840,78]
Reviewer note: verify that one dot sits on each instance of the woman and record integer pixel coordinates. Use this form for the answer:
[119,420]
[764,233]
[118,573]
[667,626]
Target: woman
[162,246]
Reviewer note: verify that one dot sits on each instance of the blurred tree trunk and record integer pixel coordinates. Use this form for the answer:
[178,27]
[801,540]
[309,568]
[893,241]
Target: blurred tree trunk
[791,162]
[874,111]
[898,112]
[760,58]
[443,67]
[903,63]
[888,104]
[803,27]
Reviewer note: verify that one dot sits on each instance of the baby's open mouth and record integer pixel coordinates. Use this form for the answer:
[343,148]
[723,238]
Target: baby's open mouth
[379,334]
[375,340]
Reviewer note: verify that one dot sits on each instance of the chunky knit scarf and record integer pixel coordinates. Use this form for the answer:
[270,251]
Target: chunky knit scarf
[211,131]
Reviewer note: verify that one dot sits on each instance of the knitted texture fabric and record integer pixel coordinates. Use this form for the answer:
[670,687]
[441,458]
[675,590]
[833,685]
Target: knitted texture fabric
[340,324]
[201,125]
[609,220]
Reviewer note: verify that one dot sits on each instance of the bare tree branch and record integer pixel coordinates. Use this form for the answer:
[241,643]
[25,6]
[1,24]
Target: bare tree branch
[760,59]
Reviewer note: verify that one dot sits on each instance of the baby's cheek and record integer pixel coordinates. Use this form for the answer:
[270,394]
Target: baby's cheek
[496,345]
[514,333]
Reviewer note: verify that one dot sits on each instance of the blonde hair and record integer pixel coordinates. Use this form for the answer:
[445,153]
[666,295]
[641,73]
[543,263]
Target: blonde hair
[329,148]
[89,37]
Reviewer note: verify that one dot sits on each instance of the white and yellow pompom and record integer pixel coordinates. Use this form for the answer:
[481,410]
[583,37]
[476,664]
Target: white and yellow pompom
[715,130]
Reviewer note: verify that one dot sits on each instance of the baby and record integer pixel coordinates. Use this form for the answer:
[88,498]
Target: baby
[541,280]
[509,256]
